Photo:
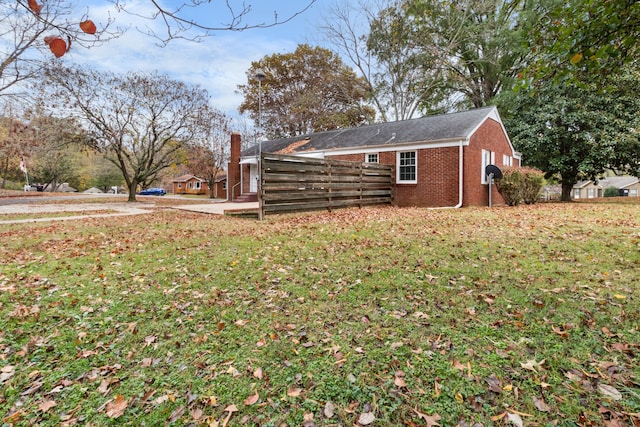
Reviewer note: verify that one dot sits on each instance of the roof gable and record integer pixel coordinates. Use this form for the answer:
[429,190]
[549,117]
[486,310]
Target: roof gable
[444,127]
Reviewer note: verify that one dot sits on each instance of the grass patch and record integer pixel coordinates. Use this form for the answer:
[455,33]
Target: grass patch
[467,316]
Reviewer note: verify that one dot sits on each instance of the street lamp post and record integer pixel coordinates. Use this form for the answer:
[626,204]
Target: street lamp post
[260,76]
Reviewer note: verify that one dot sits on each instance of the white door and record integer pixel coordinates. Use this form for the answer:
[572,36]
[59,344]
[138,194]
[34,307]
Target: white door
[253,178]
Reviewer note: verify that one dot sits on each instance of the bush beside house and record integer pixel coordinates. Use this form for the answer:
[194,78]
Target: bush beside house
[520,184]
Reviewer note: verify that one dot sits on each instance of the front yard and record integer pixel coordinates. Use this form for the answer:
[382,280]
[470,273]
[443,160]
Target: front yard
[380,316]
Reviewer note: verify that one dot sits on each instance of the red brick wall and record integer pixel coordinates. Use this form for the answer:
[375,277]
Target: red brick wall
[233,169]
[438,171]
[488,137]
[437,177]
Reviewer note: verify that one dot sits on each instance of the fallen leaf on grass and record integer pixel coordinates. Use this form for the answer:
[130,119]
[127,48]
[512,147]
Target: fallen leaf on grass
[515,419]
[609,391]
[175,415]
[366,418]
[252,400]
[230,409]
[294,392]
[494,384]
[541,405]
[45,405]
[6,373]
[432,420]
[532,365]
[258,373]
[116,407]
[399,379]
[329,409]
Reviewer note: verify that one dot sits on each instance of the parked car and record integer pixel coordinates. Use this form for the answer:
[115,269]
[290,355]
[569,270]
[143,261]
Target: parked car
[153,192]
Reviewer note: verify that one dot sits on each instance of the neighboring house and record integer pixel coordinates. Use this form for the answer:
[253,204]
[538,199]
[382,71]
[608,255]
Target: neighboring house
[586,190]
[626,185]
[439,160]
[191,184]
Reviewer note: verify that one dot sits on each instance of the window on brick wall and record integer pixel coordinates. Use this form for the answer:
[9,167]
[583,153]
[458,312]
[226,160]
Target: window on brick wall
[507,160]
[198,185]
[407,167]
[488,158]
[179,185]
[372,158]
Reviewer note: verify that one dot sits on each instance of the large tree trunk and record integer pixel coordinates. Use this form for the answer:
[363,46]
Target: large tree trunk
[5,171]
[132,191]
[567,187]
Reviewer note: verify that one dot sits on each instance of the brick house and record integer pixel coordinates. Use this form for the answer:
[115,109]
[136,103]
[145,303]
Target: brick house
[191,184]
[439,160]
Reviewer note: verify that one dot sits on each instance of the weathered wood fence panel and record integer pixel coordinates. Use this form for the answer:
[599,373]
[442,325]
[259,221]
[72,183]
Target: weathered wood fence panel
[292,183]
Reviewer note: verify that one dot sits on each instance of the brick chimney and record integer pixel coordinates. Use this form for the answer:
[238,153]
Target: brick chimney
[233,174]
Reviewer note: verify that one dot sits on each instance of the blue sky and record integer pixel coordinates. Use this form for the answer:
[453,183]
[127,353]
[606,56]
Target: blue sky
[217,63]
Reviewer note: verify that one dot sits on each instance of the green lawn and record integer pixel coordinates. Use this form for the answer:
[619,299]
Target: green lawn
[385,317]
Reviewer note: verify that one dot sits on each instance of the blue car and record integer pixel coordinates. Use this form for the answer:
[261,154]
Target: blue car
[153,192]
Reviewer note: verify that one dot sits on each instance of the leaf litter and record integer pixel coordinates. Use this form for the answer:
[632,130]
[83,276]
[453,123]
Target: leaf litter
[416,306]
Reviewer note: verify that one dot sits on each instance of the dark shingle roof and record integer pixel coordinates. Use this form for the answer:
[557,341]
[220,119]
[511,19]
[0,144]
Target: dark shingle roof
[432,128]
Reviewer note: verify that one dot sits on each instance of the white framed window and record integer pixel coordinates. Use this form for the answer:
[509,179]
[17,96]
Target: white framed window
[488,158]
[371,158]
[198,185]
[407,167]
[591,193]
[179,185]
[224,184]
[633,192]
[576,193]
[189,185]
[507,160]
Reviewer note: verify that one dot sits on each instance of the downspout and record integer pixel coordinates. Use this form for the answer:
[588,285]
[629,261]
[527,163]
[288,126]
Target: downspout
[460,179]
[460,176]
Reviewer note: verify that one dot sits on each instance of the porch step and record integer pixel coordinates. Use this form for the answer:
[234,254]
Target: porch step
[246,197]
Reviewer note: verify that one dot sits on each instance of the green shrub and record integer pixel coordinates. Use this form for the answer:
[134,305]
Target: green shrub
[510,185]
[520,184]
[611,192]
[533,180]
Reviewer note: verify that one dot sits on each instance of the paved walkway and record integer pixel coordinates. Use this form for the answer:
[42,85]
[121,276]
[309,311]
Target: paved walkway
[120,209]
[218,208]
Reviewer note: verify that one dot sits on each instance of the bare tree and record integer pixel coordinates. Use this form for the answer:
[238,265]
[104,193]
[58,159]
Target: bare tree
[29,29]
[139,121]
[384,50]
[207,156]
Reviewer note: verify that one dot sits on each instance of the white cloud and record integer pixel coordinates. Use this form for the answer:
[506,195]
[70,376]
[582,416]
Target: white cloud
[217,63]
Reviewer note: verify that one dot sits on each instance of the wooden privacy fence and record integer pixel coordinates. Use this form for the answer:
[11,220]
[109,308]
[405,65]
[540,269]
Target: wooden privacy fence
[292,183]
